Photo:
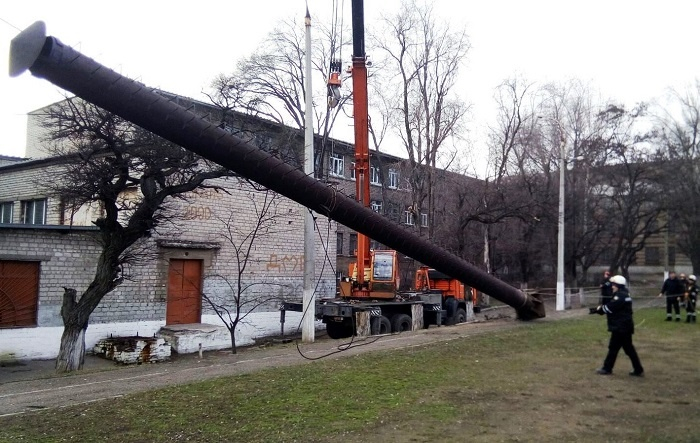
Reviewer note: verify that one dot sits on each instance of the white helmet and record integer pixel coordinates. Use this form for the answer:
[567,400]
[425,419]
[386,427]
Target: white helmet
[618,280]
[691,277]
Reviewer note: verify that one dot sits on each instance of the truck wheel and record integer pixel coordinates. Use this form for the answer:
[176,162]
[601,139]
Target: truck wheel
[380,325]
[450,311]
[460,316]
[401,323]
[338,330]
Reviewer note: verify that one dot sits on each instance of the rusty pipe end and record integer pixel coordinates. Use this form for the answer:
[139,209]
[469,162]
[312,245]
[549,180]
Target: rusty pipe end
[26,47]
[532,309]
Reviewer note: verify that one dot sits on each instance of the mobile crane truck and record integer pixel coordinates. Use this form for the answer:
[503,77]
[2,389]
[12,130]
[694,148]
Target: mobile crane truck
[372,288]
[371,299]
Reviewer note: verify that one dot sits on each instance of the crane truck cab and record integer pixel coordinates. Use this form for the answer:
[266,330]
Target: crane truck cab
[457,300]
[381,279]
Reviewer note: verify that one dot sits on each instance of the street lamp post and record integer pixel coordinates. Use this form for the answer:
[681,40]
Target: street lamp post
[560,306]
[560,243]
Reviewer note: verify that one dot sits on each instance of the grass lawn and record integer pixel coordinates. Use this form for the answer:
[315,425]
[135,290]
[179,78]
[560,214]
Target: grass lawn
[535,382]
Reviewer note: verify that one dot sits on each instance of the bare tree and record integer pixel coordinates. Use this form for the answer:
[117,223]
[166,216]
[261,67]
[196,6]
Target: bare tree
[271,82]
[631,191]
[420,62]
[108,159]
[680,137]
[239,298]
[510,193]
[571,119]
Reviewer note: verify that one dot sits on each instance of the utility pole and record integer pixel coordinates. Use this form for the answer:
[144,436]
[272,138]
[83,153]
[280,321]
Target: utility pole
[560,306]
[309,299]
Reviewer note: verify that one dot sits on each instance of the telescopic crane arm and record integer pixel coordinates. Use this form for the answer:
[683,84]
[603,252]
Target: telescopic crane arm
[361,119]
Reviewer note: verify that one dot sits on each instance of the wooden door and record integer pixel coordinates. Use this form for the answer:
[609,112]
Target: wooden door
[19,292]
[184,303]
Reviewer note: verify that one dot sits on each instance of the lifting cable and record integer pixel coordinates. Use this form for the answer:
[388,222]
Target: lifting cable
[335,64]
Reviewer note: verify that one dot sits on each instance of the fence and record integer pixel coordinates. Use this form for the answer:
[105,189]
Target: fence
[643,295]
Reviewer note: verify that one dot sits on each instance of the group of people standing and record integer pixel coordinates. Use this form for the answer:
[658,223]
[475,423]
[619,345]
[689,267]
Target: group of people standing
[679,289]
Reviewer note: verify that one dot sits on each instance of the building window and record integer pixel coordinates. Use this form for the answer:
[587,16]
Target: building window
[652,256]
[352,171]
[376,206]
[393,212]
[408,218]
[337,166]
[6,212]
[339,243]
[393,178]
[424,219]
[374,176]
[34,212]
[19,293]
[352,249]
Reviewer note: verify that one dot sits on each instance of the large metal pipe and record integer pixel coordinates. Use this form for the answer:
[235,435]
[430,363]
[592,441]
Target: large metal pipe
[47,57]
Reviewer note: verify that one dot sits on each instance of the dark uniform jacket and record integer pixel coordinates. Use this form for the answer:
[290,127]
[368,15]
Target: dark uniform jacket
[673,287]
[619,312]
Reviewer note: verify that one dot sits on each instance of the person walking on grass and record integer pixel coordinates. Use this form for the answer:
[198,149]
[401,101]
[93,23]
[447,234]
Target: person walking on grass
[691,297]
[621,327]
[673,289]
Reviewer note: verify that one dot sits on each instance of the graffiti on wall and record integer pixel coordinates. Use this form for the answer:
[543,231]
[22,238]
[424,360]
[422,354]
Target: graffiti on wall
[200,211]
[194,212]
[285,263]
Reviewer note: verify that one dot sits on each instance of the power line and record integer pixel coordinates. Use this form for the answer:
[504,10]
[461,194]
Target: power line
[9,24]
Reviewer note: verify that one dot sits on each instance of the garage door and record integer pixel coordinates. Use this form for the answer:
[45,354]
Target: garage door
[19,292]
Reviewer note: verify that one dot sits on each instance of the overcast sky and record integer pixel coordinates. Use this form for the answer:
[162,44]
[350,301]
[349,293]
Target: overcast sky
[629,50]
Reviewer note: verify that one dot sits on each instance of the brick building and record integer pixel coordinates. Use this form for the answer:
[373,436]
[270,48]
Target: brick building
[44,248]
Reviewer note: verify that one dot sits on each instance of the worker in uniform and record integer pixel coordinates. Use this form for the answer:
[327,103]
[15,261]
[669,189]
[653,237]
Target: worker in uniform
[605,289]
[691,297]
[621,327]
[684,281]
[673,290]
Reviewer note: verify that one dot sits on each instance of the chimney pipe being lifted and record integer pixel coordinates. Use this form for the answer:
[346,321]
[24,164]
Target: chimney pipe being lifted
[47,57]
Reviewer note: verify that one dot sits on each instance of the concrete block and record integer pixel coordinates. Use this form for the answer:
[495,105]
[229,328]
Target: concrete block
[186,339]
[133,350]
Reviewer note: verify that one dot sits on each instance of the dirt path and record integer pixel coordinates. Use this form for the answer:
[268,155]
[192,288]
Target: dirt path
[34,386]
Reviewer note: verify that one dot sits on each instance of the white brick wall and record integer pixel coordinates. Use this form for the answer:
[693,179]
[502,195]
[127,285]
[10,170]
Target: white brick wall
[42,343]
[68,258]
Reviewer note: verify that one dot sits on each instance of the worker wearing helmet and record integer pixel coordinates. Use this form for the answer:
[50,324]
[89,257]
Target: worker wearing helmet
[621,327]
[673,290]
[691,297]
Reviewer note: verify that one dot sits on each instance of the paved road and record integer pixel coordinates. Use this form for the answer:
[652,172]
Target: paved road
[34,386]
